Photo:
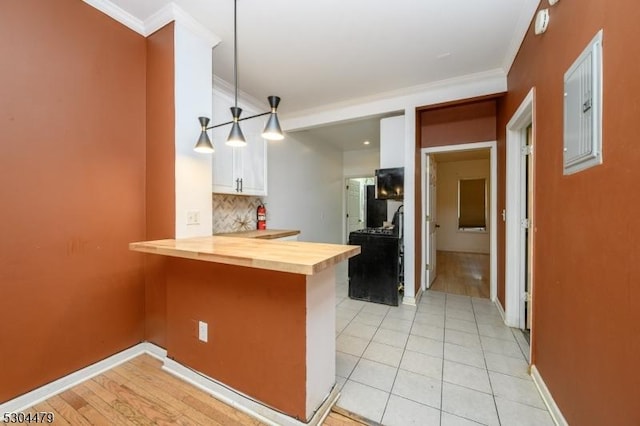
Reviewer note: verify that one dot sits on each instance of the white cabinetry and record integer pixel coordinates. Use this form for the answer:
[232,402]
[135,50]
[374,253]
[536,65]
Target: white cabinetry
[392,142]
[241,170]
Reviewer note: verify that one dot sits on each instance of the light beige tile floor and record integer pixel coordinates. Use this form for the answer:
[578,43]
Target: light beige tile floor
[448,361]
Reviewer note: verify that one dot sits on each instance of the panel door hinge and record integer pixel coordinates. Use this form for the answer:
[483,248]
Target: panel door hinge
[527,150]
[525,223]
[428,267]
[525,297]
[427,217]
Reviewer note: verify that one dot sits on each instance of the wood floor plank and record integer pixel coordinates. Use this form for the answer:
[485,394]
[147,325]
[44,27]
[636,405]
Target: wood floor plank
[44,406]
[67,411]
[465,274]
[145,386]
[139,392]
[113,416]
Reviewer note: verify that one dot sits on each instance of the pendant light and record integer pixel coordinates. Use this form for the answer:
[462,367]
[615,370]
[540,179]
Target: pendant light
[272,130]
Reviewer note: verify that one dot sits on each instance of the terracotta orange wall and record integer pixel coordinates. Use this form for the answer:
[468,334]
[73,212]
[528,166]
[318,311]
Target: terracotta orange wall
[453,123]
[72,185]
[587,268]
[457,124]
[160,174]
[257,328]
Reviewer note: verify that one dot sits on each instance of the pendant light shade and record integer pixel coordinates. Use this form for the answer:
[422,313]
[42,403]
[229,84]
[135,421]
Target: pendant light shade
[204,144]
[272,130]
[236,138]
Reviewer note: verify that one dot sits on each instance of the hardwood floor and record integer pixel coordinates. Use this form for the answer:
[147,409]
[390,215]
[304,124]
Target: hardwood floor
[139,392]
[462,273]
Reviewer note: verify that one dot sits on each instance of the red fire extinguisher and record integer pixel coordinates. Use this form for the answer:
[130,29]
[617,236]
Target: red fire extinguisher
[261,214]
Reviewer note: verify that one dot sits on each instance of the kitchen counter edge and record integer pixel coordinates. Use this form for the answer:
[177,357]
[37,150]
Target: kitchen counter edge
[284,256]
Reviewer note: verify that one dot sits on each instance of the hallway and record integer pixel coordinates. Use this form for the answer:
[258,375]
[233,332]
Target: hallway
[465,274]
[448,361]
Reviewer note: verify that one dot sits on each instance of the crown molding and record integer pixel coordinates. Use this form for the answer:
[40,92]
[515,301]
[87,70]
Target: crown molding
[119,14]
[172,12]
[522,27]
[169,13]
[249,102]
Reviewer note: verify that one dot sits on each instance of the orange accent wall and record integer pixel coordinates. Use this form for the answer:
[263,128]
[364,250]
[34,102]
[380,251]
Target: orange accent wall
[72,185]
[460,123]
[453,123]
[586,313]
[257,328]
[160,174]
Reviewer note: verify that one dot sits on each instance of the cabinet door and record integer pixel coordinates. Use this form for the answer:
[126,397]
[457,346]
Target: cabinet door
[225,161]
[253,159]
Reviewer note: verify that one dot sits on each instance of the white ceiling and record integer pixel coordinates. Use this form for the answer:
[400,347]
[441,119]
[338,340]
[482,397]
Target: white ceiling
[317,53]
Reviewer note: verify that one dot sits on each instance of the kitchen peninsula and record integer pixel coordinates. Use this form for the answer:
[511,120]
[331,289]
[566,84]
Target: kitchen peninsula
[255,315]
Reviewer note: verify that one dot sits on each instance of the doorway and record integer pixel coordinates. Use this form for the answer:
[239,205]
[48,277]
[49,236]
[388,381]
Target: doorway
[355,203]
[429,206]
[519,217]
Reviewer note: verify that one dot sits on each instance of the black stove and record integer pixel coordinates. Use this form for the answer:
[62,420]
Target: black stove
[391,232]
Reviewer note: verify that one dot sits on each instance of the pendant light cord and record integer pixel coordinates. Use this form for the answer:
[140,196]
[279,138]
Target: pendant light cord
[235,48]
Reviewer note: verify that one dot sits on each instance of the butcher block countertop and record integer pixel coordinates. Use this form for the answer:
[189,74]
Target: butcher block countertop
[285,256]
[265,234]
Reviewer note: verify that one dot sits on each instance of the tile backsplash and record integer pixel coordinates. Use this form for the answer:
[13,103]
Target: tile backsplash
[234,212]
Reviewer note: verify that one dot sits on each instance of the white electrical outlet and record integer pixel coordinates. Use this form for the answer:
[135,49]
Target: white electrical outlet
[193,217]
[203,331]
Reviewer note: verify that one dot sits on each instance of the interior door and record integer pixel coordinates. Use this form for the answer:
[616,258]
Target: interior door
[355,219]
[430,224]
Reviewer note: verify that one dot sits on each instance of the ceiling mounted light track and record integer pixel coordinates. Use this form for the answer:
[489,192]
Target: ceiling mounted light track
[272,130]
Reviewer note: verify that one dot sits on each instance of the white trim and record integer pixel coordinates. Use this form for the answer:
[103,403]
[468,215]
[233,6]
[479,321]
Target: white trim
[244,403]
[500,308]
[513,232]
[42,393]
[521,28]
[554,410]
[119,14]
[493,256]
[170,12]
[467,86]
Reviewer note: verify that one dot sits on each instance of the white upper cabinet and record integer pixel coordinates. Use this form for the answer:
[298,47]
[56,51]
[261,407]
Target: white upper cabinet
[392,142]
[240,170]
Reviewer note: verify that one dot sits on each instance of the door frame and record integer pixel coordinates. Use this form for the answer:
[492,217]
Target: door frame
[345,239]
[514,197]
[493,231]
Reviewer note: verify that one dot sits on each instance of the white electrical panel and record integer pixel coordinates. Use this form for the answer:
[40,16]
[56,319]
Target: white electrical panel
[583,109]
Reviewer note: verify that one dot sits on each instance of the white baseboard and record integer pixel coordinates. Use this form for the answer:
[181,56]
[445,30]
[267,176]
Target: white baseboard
[42,393]
[500,309]
[245,403]
[233,398]
[556,414]
[412,301]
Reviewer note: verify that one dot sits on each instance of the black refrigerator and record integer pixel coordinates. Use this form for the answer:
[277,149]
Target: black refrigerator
[376,209]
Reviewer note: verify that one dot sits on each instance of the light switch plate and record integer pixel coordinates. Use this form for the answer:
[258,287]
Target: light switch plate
[203,331]
[193,217]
